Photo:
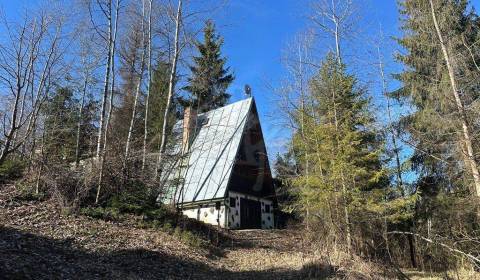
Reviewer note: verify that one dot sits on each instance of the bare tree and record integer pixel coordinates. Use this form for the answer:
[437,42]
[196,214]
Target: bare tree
[171,86]
[112,84]
[390,126]
[149,83]
[334,17]
[87,66]
[139,85]
[107,11]
[27,64]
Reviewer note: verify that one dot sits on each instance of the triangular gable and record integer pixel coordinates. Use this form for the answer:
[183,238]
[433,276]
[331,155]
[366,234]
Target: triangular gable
[251,173]
[212,154]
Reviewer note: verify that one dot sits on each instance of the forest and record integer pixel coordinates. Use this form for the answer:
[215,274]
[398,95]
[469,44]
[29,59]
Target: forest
[378,176]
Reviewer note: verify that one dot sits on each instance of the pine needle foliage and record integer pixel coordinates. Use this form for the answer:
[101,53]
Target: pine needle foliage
[342,182]
[210,77]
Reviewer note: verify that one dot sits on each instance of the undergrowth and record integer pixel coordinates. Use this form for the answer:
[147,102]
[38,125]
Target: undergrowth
[151,215]
[11,170]
[27,193]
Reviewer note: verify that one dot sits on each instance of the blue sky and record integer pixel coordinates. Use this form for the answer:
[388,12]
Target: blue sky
[257,31]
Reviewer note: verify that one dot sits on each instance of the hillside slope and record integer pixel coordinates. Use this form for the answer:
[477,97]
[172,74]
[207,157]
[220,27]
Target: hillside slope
[38,242]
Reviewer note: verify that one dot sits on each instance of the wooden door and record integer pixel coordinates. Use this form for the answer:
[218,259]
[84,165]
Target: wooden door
[250,214]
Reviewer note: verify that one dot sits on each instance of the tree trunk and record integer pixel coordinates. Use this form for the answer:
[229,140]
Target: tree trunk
[137,92]
[398,166]
[346,216]
[79,123]
[171,86]
[13,126]
[337,42]
[336,33]
[149,84]
[112,84]
[104,121]
[463,116]
[106,82]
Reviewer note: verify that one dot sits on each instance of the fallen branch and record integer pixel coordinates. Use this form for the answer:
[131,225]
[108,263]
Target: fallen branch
[473,259]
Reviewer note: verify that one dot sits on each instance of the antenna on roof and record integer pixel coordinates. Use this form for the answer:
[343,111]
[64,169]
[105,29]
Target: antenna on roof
[248,91]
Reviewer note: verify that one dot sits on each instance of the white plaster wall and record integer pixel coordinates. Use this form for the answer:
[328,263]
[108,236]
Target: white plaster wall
[234,212]
[208,215]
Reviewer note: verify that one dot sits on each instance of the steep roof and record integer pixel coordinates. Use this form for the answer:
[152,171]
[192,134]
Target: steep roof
[206,169]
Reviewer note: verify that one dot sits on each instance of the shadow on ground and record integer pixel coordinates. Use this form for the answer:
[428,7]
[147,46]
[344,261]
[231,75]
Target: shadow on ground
[28,256]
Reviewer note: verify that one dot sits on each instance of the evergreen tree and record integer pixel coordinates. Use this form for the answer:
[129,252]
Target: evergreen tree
[435,123]
[210,79]
[339,153]
[61,126]
[158,101]
[130,60]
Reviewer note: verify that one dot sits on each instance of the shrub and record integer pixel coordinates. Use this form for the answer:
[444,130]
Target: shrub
[189,237]
[177,232]
[192,239]
[167,227]
[11,169]
[135,199]
[108,214]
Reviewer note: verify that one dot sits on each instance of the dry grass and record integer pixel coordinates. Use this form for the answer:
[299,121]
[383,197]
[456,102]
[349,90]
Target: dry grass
[461,274]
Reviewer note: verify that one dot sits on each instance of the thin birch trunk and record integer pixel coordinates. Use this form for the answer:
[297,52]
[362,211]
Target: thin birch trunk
[79,123]
[171,86]
[137,92]
[390,120]
[108,69]
[42,163]
[463,116]
[336,33]
[149,84]
[302,129]
[112,84]
[106,83]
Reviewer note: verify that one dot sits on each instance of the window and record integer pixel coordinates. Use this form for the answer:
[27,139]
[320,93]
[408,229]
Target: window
[267,208]
[232,201]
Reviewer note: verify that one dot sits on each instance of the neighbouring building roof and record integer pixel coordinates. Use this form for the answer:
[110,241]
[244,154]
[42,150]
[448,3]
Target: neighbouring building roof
[204,172]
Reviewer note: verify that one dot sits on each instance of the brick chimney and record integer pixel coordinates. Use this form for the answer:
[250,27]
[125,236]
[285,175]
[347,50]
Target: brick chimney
[189,123]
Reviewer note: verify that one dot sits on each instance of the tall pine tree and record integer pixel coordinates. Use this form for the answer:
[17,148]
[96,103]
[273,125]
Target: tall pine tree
[210,78]
[342,180]
[60,126]
[435,127]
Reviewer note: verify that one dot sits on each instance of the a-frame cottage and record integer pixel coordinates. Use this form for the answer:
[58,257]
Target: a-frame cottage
[220,173]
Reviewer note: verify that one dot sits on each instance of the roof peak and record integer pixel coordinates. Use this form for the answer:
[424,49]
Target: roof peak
[228,105]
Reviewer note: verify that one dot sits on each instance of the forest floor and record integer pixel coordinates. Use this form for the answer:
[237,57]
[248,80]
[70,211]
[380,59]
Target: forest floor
[37,241]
